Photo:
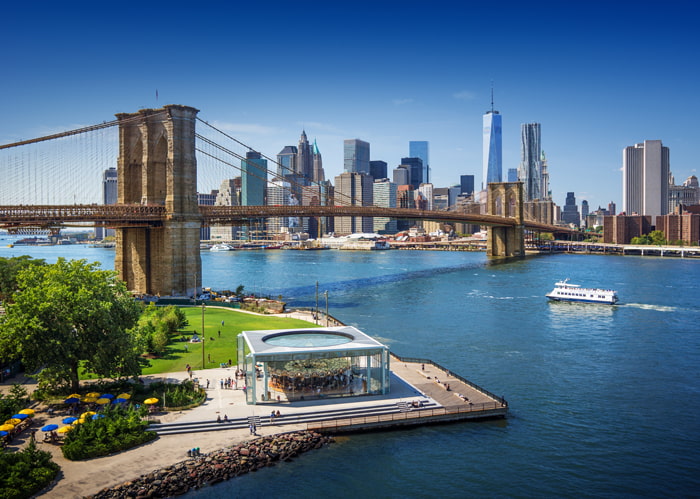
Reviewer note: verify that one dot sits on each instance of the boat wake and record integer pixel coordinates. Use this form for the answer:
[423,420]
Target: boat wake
[645,306]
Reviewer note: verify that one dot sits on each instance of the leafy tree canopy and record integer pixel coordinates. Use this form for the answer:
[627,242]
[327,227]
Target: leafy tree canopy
[69,315]
[9,268]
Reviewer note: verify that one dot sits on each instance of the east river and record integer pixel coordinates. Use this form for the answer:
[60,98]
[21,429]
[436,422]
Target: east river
[604,401]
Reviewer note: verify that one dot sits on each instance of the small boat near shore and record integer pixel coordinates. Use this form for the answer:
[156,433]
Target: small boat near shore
[564,291]
[222,247]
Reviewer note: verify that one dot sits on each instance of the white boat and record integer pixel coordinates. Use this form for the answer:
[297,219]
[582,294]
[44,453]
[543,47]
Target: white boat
[221,247]
[563,291]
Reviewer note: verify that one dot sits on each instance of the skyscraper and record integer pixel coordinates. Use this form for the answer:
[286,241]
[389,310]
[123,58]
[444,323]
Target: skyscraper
[512,174]
[286,161]
[492,150]
[377,169]
[466,183]
[109,196]
[253,179]
[319,174]
[570,213]
[645,179]
[353,189]
[530,165]
[356,156]
[415,167]
[384,195]
[402,175]
[305,160]
[419,149]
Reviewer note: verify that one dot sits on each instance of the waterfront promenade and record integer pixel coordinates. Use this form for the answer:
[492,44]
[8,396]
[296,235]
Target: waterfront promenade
[422,383]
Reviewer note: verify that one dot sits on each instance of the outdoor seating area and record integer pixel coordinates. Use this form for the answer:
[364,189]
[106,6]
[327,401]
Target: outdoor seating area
[18,423]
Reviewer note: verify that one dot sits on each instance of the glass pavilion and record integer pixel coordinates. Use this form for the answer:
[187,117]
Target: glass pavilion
[303,364]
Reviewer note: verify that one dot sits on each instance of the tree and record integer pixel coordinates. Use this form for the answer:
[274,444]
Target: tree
[9,268]
[70,315]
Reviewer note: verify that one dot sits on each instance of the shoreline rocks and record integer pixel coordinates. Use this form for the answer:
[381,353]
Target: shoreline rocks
[217,466]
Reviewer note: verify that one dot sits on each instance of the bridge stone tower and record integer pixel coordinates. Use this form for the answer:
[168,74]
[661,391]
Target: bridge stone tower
[506,199]
[157,166]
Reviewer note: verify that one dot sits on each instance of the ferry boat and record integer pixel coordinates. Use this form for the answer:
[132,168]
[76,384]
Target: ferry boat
[564,291]
[222,247]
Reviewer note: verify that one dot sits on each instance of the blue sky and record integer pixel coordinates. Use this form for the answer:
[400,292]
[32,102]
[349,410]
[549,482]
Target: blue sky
[598,76]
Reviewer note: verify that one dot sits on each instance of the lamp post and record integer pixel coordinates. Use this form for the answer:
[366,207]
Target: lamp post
[203,335]
[316,314]
[326,293]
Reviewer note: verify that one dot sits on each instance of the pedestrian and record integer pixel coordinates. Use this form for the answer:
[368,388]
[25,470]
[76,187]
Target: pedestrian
[218,418]
[225,418]
[222,323]
[252,429]
[219,333]
[209,357]
[221,381]
[207,383]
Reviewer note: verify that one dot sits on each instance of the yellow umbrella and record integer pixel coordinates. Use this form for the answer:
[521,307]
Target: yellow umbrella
[64,429]
[74,395]
[28,412]
[151,401]
[89,400]
[125,396]
[87,413]
[78,421]
[7,427]
[93,394]
[13,421]
[103,401]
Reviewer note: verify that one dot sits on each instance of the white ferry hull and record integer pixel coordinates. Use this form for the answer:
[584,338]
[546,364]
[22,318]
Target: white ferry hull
[563,291]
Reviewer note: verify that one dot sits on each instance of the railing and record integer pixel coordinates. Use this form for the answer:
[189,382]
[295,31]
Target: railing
[483,408]
[415,360]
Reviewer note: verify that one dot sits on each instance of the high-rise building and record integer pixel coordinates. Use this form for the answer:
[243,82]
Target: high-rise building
[402,175]
[492,149]
[530,169]
[206,199]
[584,211]
[384,195]
[466,184]
[287,161]
[377,169]
[253,185]
[319,174]
[645,179]
[353,189]
[253,179]
[109,196]
[356,156]
[426,191]
[419,149]
[305,160]
[570,214]
[228,195]
[279,193]
[512,174]
[612,208]
[415,167]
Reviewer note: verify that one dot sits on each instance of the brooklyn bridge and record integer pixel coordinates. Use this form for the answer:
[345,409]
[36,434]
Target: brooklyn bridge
[162,161]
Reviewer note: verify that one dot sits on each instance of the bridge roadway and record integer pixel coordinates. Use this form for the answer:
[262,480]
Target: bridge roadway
[136,215]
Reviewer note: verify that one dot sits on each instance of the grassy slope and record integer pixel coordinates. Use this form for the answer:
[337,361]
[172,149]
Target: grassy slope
[220,349]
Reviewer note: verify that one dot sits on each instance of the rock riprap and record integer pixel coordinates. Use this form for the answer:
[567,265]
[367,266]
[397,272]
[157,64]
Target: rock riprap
[217,466]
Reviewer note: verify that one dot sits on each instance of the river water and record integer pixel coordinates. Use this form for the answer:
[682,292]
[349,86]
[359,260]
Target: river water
[604,401]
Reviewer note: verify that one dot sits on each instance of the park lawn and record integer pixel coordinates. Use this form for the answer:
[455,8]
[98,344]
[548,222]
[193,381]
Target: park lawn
[217,348]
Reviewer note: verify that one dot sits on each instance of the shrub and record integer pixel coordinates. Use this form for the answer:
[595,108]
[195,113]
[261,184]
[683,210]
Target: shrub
[24,473]
[119,430]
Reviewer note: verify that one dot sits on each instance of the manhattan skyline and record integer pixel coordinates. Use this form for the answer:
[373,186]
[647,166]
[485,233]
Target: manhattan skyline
[598,77]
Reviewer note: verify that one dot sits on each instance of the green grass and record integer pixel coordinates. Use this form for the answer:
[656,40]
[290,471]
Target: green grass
[221,349]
